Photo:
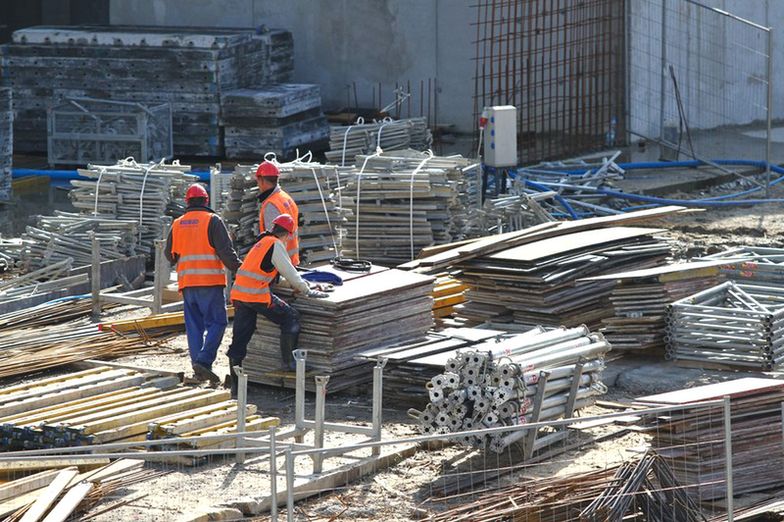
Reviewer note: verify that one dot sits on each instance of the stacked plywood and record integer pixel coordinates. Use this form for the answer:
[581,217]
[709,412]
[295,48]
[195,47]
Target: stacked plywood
[6,143]
[640,300]
[369,310]
[188,68]
[277,118]
[313,188]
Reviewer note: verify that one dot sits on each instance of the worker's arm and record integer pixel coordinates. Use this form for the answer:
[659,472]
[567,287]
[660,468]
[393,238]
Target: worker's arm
[282,262]
[219,239]
[270,213]
[167,251]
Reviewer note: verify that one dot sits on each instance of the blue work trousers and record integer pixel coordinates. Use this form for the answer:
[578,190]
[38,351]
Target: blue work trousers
[205,322]
[278,311]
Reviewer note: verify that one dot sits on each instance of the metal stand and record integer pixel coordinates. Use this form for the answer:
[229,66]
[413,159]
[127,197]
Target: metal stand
[242,404]
[319,425]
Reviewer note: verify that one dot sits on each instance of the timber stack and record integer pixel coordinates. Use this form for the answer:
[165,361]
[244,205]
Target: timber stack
[274,118]
[381,308]
[187,68]
[6,143]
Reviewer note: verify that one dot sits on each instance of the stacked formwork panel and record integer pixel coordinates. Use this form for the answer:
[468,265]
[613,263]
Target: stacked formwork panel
[6,143]
[186,67]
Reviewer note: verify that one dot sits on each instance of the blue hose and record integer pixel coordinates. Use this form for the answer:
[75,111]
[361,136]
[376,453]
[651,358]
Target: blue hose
[204,175]
[560,199]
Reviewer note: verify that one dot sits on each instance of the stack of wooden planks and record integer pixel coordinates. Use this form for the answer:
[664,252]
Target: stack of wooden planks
[313,187]
[60,494]
[369,310]
[692,440]
[640,300]
[346,142]
[186,67]
[277,118]
[6,143]
[114,404]
[531,276]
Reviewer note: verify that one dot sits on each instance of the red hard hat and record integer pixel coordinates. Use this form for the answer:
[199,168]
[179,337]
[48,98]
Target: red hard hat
[285,221]
[196,191]
[267,170]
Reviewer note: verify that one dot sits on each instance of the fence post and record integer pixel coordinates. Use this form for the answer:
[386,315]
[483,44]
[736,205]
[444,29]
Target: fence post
[289,485]
[728,457]
[770,111]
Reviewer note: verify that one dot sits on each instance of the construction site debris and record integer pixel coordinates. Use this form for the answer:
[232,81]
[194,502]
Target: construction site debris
[734,325]
[758,264]
[694,438]
[347,142]
[186,67]
[273,118]
[380,308]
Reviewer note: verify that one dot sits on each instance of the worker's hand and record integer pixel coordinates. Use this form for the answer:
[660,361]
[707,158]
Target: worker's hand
[322,287]
[318,294]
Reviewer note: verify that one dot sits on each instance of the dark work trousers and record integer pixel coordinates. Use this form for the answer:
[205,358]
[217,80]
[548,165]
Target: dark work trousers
[205,322]
[278,311]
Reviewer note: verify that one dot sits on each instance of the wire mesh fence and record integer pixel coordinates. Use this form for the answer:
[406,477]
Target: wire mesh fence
[561,63]
[699,80]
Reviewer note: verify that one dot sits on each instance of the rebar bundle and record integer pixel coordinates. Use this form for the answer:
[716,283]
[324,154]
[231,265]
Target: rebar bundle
[732,324]
[531,377]
[345,143]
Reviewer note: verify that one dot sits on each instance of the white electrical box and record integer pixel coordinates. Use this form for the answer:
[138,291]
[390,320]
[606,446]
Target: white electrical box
[500,139]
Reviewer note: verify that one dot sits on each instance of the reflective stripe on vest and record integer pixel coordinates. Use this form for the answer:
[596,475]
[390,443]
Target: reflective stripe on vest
[197,262]
[285,205]
[251,285]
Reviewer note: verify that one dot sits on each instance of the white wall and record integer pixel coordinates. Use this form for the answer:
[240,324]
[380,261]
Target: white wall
[338,42]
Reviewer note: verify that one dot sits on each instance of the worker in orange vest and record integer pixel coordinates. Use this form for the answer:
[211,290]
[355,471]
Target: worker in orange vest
[274,202]
[251,295]
[200,246]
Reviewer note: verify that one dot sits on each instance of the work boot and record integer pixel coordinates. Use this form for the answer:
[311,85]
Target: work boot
[205,374]
[288,343]
[232,381]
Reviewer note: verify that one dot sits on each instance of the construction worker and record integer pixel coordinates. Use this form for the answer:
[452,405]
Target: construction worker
[274,202]
[251,295]
[200,246]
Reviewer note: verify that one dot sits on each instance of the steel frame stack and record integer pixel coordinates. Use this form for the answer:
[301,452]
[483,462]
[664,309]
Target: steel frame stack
[752,263]
[733,325]
[84,130]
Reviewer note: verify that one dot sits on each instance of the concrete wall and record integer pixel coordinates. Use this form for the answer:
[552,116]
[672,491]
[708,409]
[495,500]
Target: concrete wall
[719,63]
[339,42]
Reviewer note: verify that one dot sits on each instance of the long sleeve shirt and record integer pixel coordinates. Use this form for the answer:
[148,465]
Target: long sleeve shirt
[218,236]
[282,261]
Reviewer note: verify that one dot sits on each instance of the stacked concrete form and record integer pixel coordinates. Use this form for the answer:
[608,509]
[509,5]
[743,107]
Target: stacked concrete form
[313,187]
[6,143]
[274,118]
[369,310]
[188,68]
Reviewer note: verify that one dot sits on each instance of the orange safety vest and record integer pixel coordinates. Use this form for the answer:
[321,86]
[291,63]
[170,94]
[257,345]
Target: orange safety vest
[197,263]
[251,284]
[285,205]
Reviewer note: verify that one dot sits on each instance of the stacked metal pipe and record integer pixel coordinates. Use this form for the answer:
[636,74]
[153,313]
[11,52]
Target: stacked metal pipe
[346,142]
[731,324]
[517,380]
[133,192]
[6,143]
[315,189]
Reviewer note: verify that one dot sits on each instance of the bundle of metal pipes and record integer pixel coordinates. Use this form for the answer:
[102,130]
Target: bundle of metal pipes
[66,236]
[6,143]
[53,277]
[134,193]
[531,377]
[403,202]
[315,189]
[731,325]
[507,213]
[364,138]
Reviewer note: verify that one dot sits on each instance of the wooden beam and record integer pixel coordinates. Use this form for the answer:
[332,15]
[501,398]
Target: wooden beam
[24,485]
[19,466]
[49,495]
[69,502]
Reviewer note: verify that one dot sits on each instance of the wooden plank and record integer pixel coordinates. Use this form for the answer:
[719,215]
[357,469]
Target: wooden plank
[24,485]
[69,502]
[735,389]
[49,496]
[53,463]
[13,505]
[694,269]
